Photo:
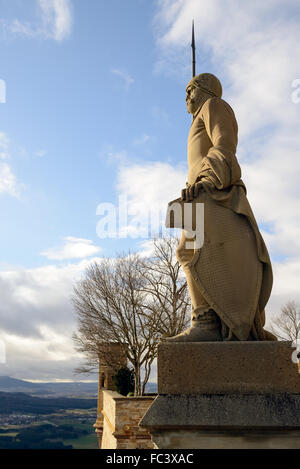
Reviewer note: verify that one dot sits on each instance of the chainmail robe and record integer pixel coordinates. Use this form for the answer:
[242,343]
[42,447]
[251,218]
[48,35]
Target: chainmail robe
[232,272]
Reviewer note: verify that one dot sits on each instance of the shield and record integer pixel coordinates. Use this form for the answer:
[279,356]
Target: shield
[227,268]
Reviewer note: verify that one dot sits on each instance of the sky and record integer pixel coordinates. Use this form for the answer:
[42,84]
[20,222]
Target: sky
[92,111]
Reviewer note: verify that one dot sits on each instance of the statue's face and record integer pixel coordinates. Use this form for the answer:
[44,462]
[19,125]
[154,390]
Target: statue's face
[193,98]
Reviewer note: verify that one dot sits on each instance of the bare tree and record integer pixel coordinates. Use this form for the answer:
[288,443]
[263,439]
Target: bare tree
[131,300]
[109,303]
[166,285]
[286,326]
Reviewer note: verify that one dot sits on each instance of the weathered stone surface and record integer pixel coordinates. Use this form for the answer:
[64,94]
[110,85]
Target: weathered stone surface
[227,367]
[228,411]
[225,395]
[225,421]
[197,439]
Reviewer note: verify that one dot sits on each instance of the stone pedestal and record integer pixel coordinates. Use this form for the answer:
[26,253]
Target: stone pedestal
[225,395]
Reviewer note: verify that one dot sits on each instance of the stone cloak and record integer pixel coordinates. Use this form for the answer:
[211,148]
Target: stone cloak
[232,270]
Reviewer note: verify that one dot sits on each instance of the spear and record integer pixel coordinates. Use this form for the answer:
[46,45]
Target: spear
[193,52]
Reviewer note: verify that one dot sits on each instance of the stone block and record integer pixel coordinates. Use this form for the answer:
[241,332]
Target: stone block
[225,395]
[227,367]
[215,411]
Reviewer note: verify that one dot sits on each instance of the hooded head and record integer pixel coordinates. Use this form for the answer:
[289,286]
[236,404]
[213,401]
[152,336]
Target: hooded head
[200,88]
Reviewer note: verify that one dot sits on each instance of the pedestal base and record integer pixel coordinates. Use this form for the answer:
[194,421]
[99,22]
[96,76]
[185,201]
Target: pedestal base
[225,395]
[225,421]
[184,439]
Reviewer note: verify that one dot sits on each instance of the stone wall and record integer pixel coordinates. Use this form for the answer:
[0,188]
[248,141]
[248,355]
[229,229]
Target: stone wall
[121,416]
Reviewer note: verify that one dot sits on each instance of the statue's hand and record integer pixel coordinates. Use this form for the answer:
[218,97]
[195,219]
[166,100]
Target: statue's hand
[191,192]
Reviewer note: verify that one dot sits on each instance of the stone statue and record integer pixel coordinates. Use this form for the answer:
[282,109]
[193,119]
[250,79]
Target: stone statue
[230,276]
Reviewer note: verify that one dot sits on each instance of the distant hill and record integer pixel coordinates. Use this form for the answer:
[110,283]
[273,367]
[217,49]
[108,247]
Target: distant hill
[26,404]
[74,389]
[78,389]
[7,382]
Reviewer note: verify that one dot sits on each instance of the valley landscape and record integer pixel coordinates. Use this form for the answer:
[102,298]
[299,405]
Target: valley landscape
[47,415]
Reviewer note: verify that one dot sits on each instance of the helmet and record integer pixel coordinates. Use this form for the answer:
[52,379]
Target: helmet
[208,83]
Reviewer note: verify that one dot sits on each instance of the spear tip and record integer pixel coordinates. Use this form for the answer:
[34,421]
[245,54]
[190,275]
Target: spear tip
[193,34]
[193,51]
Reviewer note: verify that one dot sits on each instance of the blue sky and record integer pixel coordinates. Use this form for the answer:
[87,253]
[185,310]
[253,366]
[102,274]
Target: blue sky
[95,109]
[69,101]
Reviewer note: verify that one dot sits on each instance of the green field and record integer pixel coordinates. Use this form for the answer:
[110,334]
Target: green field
[72,429]
[85,442]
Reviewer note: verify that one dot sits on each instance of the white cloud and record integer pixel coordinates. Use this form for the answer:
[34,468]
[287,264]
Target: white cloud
[249,46]
[4,143]
[151,184]
[37,321]
[74,248]
[35,297]
[56,17]
[54,21]
[3,139]
[285,287]
[143,192]
[126,78]
[51,345]
[8,183]
[21,28]
[147,188]
[274,192]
